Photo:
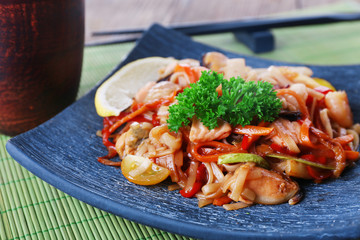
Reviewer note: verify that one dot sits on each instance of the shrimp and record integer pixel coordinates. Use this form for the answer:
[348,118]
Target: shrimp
[339,109]
[200,133]
[142,93]
[161,89]
[215,61]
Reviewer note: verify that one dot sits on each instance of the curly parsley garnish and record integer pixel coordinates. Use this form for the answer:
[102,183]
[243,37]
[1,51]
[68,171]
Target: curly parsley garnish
[240,102]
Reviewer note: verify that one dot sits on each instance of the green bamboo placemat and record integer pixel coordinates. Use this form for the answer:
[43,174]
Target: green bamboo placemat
[32,209]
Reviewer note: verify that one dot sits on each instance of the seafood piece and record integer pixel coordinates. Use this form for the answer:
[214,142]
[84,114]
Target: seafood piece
[128,142]
[251,184]
[161,89]
[142,93]
[200,133]
[214,61]
[339,109]
[270,187]
[235,67]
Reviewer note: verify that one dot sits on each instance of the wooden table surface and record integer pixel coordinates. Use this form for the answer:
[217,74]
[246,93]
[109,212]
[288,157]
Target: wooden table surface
[126,14]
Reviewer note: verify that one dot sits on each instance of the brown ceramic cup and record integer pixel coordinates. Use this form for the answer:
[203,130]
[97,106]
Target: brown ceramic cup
[41,51]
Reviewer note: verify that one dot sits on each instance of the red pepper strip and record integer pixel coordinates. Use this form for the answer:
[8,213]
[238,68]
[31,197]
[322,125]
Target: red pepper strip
[135,106]
[278,148]
[351,155]
[305,133]
[309,101]
[222,200]
[249,139]
[187,69]
[309,157]
[321,159]
[281,149]
[253,130]
[146,107]
[105,138]
[192,191]
[343,140]
[222,148]
[108,162]
[301,102]
[199,182]
[313,158]
[318,175]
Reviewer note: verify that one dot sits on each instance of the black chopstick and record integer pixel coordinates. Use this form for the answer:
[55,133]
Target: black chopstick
[125,40]
[248,25]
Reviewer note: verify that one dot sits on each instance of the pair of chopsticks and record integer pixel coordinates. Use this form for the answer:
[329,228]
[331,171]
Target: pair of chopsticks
[252,25]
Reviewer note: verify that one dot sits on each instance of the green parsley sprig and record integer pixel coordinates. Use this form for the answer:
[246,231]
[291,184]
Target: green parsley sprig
[240,102]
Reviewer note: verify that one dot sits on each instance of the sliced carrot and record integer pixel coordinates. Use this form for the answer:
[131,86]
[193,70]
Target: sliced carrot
[147,107]
[351,155]
[221,200]
[344,139]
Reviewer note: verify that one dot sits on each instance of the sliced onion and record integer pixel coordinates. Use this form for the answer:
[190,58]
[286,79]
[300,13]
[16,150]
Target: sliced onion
[192,175]
[248,194]
[239,183]
[325,120]
[217,172]
[235,206]
[205,202]
[210,188]
[145,165]
[209,172]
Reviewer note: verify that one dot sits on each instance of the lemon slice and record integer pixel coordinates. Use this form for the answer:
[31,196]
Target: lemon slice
[117,92]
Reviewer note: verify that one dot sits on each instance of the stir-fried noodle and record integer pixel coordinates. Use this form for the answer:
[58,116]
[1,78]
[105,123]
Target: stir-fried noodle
[312,136]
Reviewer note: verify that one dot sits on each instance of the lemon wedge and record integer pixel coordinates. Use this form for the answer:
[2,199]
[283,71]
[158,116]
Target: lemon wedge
[325,83]
[117,92]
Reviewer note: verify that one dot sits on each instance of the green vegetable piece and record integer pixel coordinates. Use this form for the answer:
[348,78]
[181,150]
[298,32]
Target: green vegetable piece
[240,102]
[243,158]
[300,160]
